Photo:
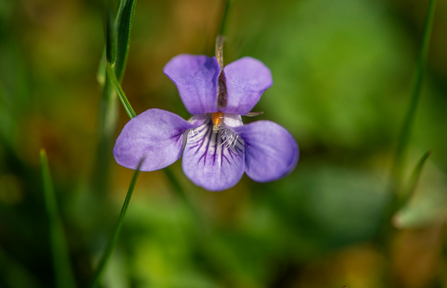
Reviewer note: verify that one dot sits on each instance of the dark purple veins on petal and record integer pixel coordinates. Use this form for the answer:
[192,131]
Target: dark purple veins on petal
[209,163]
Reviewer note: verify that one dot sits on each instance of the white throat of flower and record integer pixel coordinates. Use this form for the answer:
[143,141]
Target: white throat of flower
[216,123]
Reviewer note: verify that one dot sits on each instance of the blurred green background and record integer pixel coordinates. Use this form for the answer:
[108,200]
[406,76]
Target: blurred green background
[342,72]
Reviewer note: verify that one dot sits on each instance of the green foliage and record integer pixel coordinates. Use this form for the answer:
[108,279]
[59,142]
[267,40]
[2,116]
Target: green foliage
[342,74]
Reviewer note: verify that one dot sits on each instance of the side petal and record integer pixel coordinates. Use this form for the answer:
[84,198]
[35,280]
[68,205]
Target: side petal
[209,163]
[156,135]
[270,150]
[196,79]
[246,79]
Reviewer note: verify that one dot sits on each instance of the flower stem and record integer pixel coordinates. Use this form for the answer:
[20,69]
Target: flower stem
[114,239]
[219,50]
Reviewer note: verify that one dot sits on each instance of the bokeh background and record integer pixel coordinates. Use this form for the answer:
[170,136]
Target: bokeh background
[342,72]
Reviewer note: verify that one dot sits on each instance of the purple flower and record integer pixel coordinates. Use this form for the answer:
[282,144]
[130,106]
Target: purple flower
[217,148]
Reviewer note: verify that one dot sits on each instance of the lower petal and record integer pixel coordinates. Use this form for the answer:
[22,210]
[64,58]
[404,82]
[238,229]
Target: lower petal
[270,150]
[209,162]
[156,135]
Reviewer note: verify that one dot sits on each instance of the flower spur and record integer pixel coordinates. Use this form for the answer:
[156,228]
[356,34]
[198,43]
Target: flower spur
[217,148]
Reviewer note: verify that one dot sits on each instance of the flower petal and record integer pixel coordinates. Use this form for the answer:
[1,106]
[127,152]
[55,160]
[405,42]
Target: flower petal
[270,150]
[246,79]
[156,135]
[196,79]
[209,163]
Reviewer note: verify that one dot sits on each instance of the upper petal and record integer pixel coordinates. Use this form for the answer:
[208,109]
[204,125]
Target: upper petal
[156,135]
[246,79]
[270,150]
[196,79]
[209,163]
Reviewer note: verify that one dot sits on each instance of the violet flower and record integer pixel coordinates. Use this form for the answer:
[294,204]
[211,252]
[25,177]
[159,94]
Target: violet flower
[217,148]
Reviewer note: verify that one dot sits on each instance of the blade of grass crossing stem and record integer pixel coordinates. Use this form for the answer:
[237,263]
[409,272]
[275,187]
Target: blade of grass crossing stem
[108,112]
[61,260]
[120,92]
[114,239]
[411,186]
[405,133]
[123,25]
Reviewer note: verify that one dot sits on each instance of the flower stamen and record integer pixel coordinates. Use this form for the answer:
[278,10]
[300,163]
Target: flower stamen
[217,118]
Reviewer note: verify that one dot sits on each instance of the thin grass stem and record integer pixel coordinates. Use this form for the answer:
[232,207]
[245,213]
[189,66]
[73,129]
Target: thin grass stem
[61,257]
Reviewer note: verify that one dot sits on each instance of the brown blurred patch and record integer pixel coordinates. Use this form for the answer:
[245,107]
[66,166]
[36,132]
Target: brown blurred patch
[416,256]
[356,266]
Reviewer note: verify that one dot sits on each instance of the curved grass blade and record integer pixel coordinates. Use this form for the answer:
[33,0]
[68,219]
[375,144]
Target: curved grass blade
[411,186]
[126,11]
[61,259]
[114,239]
[405,133]
[111,75]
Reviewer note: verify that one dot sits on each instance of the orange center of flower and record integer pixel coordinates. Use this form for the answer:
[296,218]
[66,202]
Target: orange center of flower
[217,118]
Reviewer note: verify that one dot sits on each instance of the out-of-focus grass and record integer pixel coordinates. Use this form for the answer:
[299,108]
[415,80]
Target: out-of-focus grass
[342,72]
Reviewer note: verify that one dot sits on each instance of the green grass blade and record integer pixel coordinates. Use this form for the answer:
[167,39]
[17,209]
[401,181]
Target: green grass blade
[111,37]
[61,259]
[411,186]
[405,133]
[111,75]
[114,239]
[126,11]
